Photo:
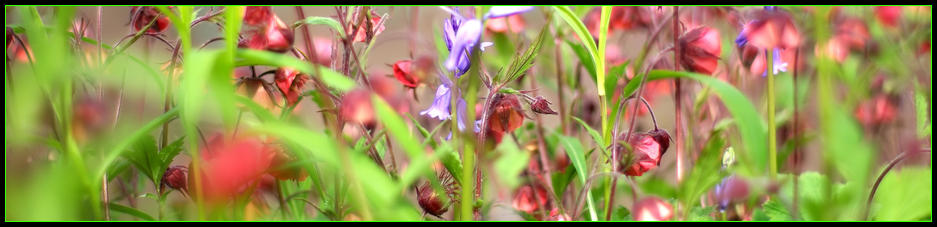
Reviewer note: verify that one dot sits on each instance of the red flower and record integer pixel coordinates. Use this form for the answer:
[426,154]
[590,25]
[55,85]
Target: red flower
[505,116]
[290,82]
[853,32]
[402,73]
[879,110]
[700,49]
[621,18]
[530,198]
[356,107]
[772,29]
[652,209]
[232,167]
[888,15]
[645,154]
[140,16]
[265,31]
[361,34]
[502,24]
[835,49]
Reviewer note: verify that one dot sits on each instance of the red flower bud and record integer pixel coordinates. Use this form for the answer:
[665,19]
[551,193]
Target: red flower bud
[853,32]
[888,15]
[700,49]
[652,209]
[142,15]
[541,106]
[176,178]
[429,200]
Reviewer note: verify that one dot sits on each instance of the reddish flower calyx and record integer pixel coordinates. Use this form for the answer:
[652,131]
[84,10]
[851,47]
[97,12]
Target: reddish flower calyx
[505,116]
[290,82]
[645,153]
[700,49]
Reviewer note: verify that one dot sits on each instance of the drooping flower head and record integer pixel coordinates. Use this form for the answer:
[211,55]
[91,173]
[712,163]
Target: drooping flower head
[773,30]
[142,15]
[231,167]
[700,49]
[645,153]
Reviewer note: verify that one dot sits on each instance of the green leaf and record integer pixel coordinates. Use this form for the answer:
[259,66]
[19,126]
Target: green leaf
[659,187]
[584,58]
[577,157]
[621,214]
[397,129]
[584,36]
[170,152]
[520,63]
[451,161]
[774,211]
[706,171]
[904,195]
[131,211]
[126,142]
[511,162]
[701,213]
[332,23]
[596,137]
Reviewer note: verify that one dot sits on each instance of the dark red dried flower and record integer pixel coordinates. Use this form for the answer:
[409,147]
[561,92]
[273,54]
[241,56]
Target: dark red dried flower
[140,16]
[700,49]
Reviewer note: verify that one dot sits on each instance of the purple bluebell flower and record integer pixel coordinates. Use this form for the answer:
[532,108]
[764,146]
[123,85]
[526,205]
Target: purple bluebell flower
[465,39]
[440,107]
[503,11]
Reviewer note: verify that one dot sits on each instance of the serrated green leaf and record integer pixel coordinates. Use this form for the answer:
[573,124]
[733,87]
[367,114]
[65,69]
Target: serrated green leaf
[520,63]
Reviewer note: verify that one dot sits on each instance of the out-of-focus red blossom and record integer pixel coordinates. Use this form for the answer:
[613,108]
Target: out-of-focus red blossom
[613,55]
[835,49]
[700,49]
[323,50]
[140,16]
[645,154]
[356,107]
[361,34]
[429,200]
[265,31]
[877,111]
[402,73]
[924,47]
[505,116]
[853,32]
[771,29]
[390,92]
[175,178]
[500,25]
[19,54]
[621,18]
[652,209]
[529,198]
[90,118]
[888,15]
[290,82]
[232,167]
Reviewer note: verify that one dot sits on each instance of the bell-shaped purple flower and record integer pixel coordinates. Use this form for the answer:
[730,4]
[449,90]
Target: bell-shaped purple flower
[465,39]
[440,107]
[503,11]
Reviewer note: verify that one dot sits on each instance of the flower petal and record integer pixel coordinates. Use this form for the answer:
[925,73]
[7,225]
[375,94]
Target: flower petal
[465,39]
[503,11]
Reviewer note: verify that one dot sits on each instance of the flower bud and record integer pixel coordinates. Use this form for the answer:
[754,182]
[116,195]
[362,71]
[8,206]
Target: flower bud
[176,178]
[541,106]
[429,200]
[700,49]
[652,209]
[142,15]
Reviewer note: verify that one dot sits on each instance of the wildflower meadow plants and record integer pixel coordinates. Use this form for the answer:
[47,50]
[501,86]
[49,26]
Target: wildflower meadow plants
[468,113]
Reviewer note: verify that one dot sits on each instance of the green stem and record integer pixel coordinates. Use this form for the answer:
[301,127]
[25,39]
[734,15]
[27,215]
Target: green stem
[772,129]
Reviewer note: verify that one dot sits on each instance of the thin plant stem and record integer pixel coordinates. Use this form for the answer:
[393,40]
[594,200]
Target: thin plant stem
[772,129]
